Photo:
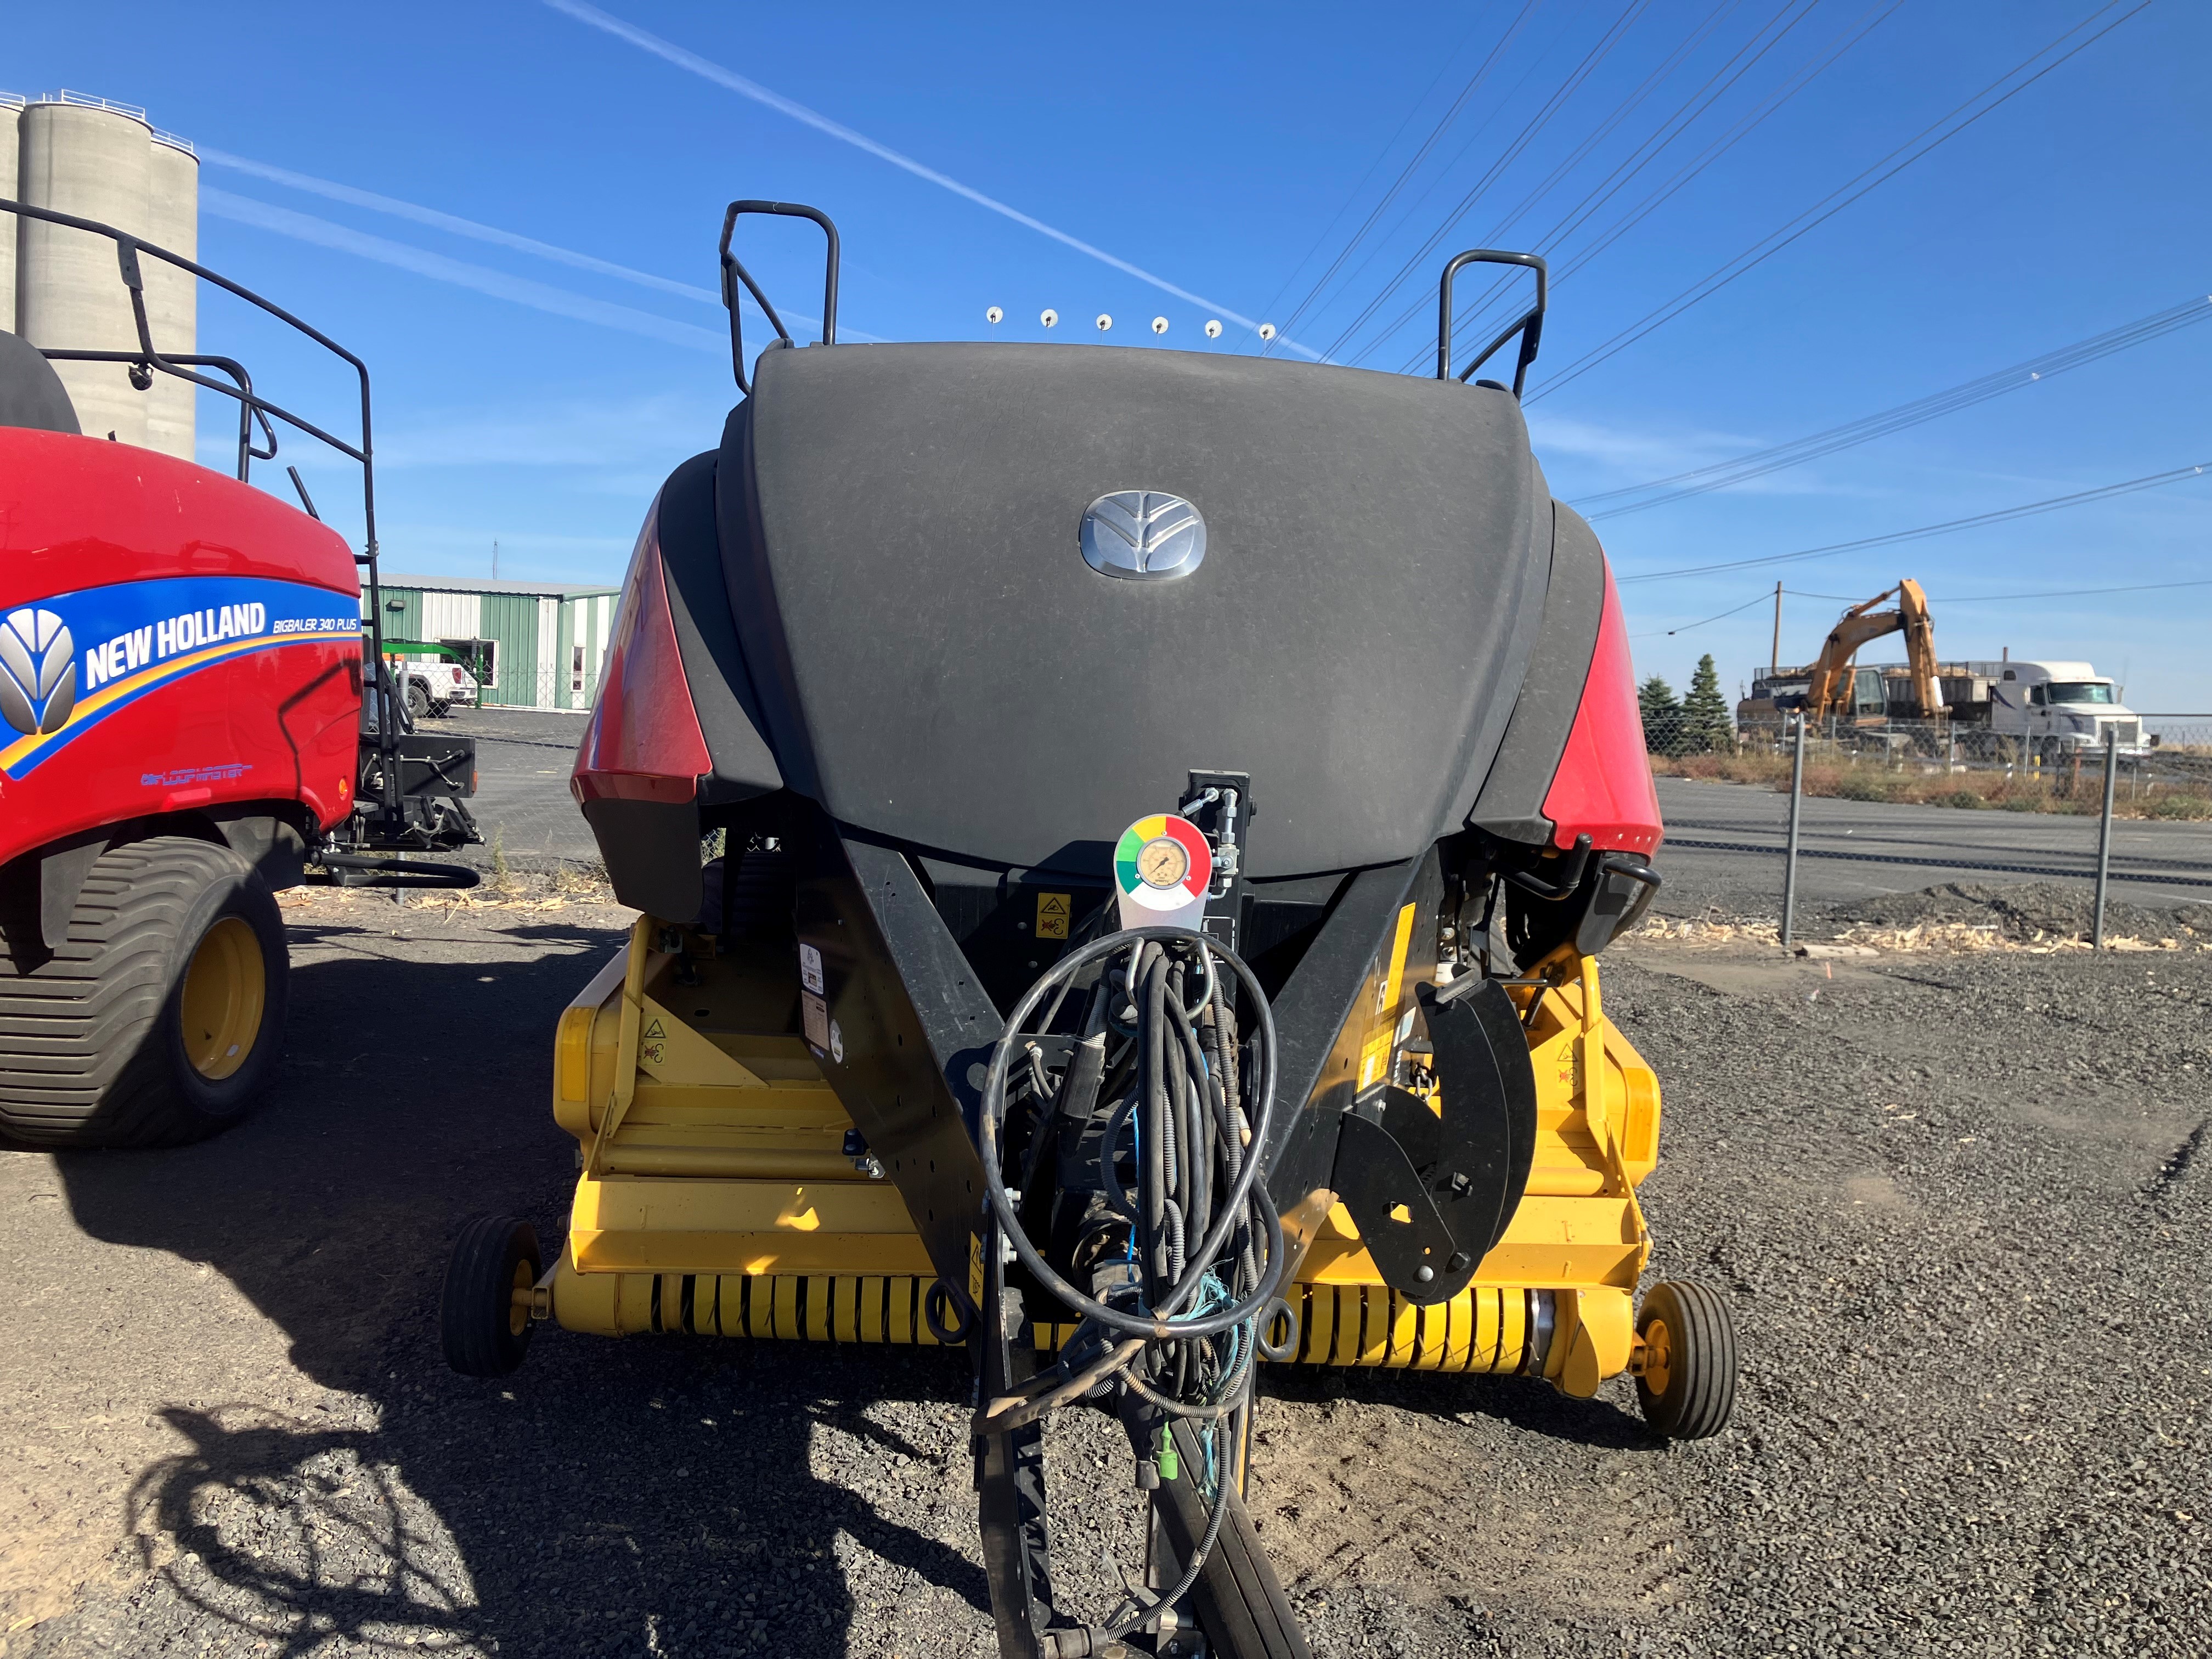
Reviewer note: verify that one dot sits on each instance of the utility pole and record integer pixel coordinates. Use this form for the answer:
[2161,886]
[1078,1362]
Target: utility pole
[1774,657]
[1789,854]
[2104,832]
[494,560]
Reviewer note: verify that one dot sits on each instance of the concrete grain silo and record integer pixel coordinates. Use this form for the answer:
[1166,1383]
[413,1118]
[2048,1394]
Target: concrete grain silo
[94,161]
[173,221]
[11,121]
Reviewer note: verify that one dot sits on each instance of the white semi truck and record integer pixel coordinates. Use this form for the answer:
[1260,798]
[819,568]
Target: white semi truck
[2048,712]
[2057,710]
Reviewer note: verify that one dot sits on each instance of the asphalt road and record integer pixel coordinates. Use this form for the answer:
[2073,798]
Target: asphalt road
[524,756]
[1958,1204]
[523,760]
[1913,848]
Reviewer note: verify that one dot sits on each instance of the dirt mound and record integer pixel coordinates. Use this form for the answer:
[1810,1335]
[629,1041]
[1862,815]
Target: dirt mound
[2027,910]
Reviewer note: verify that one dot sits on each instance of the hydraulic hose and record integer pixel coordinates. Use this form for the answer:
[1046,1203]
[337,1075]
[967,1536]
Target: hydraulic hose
[1163,1324]
[1204,1245]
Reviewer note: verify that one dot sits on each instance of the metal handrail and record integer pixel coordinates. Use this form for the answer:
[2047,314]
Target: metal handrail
[128,248]
[247,412]
[733,267]
[86,100]
[1529,325]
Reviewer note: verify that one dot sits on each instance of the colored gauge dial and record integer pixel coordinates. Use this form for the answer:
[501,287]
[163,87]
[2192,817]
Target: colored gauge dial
[1163,862]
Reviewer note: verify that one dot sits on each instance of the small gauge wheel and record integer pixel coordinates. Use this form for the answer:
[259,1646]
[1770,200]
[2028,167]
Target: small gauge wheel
[1163,863]
[1686,1384]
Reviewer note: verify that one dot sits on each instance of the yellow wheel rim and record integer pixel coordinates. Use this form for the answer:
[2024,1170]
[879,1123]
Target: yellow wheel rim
[1658,1356]
[518,1299]
[226,993]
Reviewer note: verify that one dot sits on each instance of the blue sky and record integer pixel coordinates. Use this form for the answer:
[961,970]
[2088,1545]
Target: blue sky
[536,395]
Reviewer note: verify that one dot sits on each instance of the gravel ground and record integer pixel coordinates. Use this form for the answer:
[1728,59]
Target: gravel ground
[1956,1199]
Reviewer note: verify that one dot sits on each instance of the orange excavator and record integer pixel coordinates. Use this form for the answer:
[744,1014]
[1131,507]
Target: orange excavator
[1828,691]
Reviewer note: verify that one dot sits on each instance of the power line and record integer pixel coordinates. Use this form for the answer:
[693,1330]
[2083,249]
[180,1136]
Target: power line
[1721,474]
[1948,599]
[1723,80]
[2072,592]
[1923,143]
[1667,130]
[1530,131]
[1404,176]
[1750,121]
[1654,634]
[1604,128]
[2002,516]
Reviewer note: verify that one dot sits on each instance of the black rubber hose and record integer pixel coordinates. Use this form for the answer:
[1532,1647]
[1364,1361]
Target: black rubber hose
[1161,1325]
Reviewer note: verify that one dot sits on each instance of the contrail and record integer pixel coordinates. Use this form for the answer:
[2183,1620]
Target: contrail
[521,290]
[457,226]
[759,95]
[484,232]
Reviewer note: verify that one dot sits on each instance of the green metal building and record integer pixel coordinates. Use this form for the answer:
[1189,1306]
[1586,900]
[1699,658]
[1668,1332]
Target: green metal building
[539,645]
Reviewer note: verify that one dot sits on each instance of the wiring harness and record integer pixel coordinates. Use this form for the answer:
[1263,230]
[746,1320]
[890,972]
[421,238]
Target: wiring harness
[1137,1134]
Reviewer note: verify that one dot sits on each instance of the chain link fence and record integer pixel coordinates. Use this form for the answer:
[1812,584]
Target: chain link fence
[2164,761]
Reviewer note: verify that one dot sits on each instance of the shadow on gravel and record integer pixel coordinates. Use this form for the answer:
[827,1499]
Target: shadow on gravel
[1528,1403]
[647,1496]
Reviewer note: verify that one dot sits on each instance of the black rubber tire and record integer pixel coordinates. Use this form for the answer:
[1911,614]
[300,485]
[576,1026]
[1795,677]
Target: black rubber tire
[1700,1381]
[92,1045]
[418,700]
[485,1334]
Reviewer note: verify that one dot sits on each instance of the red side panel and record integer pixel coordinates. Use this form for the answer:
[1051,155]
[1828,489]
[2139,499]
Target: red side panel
[643,742]
[170,640]
[1603,786]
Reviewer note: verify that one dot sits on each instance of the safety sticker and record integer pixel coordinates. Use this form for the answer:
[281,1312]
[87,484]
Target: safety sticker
[816,1015]
[655,1029]
[975,1270]
[1052,915]
[810,968]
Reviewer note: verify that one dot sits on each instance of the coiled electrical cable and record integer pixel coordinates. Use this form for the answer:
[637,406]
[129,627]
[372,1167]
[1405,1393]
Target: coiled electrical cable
[1204,1254]
[1161,1322]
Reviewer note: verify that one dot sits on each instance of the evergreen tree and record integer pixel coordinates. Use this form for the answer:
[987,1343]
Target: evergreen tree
[1662,717]
[1706,722]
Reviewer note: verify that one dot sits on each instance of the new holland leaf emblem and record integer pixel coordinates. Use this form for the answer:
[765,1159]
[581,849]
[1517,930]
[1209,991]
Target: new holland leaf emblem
[1143,535]
[38,671]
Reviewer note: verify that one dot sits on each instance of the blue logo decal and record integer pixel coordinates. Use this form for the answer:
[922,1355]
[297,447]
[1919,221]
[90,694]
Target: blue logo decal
[69,661]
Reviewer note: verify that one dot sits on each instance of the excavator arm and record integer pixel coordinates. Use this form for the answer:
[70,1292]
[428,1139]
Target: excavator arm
[1919,630]
[1830,685]
[1829,688]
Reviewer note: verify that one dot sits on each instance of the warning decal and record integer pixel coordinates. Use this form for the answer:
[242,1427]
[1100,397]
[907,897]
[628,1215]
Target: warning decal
[1052,915]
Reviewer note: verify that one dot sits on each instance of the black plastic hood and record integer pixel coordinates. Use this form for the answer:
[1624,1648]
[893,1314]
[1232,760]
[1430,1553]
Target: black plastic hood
[935,662]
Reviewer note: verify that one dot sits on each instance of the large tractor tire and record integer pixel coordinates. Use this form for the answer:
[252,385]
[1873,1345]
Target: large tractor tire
[160,1020]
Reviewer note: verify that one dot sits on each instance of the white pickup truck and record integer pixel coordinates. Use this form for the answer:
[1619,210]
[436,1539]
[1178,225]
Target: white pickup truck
[2057,710]
[431,679]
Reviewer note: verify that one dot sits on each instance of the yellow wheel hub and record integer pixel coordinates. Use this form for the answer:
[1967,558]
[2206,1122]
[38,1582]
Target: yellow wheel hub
[225,995]
[518,1299]
[1658,1356]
